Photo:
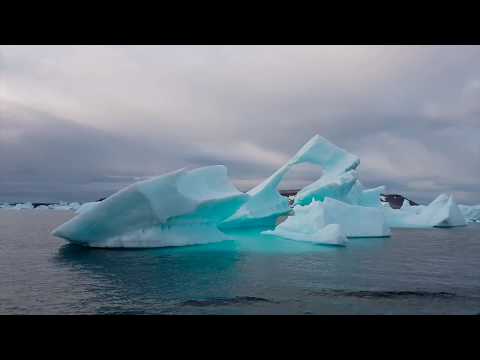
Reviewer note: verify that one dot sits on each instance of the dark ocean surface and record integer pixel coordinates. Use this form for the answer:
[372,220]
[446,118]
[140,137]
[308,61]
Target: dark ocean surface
[432,271]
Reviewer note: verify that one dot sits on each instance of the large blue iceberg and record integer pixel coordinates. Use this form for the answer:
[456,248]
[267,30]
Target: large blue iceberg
[199,206]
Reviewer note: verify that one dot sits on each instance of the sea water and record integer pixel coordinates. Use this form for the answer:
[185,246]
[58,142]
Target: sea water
[430,271]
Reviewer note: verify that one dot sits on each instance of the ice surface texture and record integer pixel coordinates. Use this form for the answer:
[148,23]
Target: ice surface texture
[179,208]
[308,224]
[310,220]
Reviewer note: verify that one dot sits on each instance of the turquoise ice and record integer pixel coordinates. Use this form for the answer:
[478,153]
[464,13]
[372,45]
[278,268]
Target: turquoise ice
[265,203]
[315,220]
[179,208]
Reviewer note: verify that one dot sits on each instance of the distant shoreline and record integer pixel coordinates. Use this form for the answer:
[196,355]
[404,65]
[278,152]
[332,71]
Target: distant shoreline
[395,200]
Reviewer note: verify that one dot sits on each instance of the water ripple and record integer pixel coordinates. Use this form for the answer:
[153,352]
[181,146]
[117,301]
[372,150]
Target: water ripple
[224,301]
[382,294]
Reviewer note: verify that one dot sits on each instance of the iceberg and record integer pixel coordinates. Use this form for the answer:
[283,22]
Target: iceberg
[336,205]
[331,221]
[199,206]
[441,212]
[27,205]
[265,204]
[339,175]
[307,225]
[471,213]
[179,208]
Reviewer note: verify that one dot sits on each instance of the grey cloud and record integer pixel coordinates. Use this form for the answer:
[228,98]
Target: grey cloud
[410,112]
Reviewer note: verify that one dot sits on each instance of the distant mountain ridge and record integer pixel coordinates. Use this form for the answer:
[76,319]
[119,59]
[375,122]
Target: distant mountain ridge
[395,200]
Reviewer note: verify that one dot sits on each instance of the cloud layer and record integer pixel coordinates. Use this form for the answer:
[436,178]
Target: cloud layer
[82,121]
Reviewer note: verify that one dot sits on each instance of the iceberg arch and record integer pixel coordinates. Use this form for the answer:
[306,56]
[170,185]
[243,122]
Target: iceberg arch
[265,204]
[339,174]
[335,206]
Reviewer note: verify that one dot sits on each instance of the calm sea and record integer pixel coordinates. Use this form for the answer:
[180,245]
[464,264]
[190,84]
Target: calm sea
[432,271]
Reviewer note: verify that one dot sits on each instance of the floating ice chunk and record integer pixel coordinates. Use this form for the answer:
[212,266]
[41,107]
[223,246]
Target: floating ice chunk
[307,225]
[441,212]
[309,221]
[178,208]
[27,205]
[471,213]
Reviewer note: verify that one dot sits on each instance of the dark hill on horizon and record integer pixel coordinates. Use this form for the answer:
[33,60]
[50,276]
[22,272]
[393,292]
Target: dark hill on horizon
[395,200]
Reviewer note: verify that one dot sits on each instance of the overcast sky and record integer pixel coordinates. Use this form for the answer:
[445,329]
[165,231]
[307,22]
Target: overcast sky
[77,122]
